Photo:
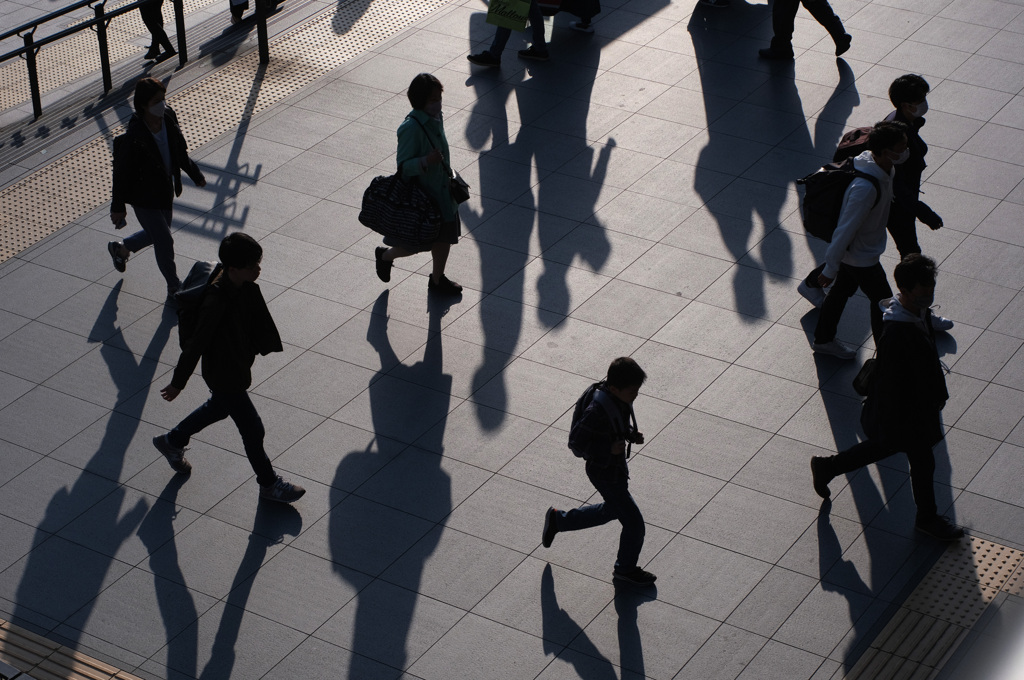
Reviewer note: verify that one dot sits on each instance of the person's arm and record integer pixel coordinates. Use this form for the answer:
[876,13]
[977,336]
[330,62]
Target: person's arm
[594,437]
[123,174]
[857,203]
[411,144]
[181,148]
[210,315]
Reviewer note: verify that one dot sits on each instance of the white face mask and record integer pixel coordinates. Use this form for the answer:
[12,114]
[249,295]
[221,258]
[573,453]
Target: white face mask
[921,109]
[902,158]
[158,109]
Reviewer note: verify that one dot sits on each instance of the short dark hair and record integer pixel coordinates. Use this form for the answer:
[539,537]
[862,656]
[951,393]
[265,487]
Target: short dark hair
[908,89]
[145,90]
[239,250]
[885,135]
[915,269]
[625,372]
[420,89]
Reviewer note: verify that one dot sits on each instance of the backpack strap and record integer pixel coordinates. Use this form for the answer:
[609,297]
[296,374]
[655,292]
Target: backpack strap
[430,139]
[615,416]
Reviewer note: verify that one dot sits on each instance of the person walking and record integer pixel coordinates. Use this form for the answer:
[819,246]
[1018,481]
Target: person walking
[784,18]
[148,160]
[423,156]
[852,258]
[153,17]
[903,411]
[538,50]
[233,326]
[600,437]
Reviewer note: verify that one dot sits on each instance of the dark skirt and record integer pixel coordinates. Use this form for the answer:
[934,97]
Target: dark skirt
[449,233]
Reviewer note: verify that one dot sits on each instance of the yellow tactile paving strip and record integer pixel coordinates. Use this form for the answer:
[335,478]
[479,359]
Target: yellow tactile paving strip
[59,193]
[937,616]
[46,660]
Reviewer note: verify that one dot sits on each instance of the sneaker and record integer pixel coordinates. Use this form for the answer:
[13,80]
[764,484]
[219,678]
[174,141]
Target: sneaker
[843,44]
[282,491]
[484,59]
[941,323]
[120,261]
[152,52]
[550,517]
[835,348]
[636,576]
[815,296]
[582,27]
[174,455]
[383,266]
[820,478]
[446,287]
[534,53]
[939,527]
[769,53]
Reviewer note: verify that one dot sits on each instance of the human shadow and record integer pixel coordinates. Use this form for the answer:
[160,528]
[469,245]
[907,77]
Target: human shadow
[349,12]
[61,581]
[628,600]
[570,173]
[384,612]
[273,522]
[558,628]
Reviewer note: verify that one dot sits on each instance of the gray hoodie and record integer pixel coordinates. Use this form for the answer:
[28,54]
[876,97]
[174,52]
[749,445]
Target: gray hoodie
[859,238]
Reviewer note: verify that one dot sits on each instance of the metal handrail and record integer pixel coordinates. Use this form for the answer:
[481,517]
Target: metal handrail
[102,19]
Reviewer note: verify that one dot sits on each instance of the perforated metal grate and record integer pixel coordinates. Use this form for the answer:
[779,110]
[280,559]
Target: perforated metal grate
[64,190]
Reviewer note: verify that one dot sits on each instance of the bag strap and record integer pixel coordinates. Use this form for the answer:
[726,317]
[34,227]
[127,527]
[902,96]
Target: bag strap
[429,139]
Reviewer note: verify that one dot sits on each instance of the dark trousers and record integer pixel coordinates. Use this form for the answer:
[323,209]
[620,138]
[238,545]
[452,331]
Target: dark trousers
[156,231]
[239,406]
[784,16]
[613,485]
[153,17]
[902,226]
[871,280]
[502,34]
[922,470]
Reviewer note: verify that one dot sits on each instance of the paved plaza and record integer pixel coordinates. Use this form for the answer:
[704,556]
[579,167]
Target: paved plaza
[632,196]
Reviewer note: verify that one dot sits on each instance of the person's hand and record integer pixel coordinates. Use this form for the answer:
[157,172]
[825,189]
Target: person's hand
[638,438]
[433,157]
[118,218]
[824,281]
[619,448]
[169,393]
[930,218]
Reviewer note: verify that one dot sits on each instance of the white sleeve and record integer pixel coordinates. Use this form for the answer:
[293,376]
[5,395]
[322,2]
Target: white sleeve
[857,203]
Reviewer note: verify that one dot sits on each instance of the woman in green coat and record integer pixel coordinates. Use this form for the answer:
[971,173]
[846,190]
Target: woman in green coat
[423,155]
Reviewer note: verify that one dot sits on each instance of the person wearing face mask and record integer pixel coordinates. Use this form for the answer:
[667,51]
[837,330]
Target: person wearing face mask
[423,156]
[148,160]
[903,411]
[851,261]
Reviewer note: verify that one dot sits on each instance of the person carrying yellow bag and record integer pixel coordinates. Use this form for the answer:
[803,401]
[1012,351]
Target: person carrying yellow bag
[508,15]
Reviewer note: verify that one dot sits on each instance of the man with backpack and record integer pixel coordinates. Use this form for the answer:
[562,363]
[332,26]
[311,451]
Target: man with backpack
[233,326]
[903,411]
[852,258]
[602,431]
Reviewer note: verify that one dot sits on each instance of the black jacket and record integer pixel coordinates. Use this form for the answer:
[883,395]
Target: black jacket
[140,177]
[595,433]
[906,182]
[234,326]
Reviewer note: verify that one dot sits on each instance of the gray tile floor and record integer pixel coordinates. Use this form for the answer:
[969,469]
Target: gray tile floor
[633,195]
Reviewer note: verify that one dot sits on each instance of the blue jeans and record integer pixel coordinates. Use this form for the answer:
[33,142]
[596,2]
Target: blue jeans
[502,34]
[613,485]
[156,231]
[239,406]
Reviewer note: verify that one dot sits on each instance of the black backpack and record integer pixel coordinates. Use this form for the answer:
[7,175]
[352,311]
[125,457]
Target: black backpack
[823,196]
[614,416]
[190,298]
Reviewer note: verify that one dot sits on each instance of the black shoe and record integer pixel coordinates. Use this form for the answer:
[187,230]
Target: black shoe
[769,53]
[152,52]
[282,491]
[843,44]
[484,59]
[534,54]
[120,261]
[165,56]
[820,478]
[445,287]
[939,527]
[549,527]
[383,266]
[636,576]
[174,455]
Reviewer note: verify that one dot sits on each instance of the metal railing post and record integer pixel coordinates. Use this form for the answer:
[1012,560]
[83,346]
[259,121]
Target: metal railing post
[261,31]
[101,35]
[33,76]
[179,26]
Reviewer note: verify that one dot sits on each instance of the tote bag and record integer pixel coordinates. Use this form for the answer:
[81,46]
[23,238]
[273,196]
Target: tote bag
[508,13]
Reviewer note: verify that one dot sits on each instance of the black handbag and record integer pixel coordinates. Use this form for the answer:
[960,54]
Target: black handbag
[865,378]
[397,207]
[458,187]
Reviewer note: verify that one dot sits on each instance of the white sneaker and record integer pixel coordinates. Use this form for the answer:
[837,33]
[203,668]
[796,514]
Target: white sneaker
[814,295]
[835,348]
[941,323]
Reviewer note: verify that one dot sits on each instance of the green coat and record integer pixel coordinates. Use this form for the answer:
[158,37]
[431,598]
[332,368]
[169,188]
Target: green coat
[413,144]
